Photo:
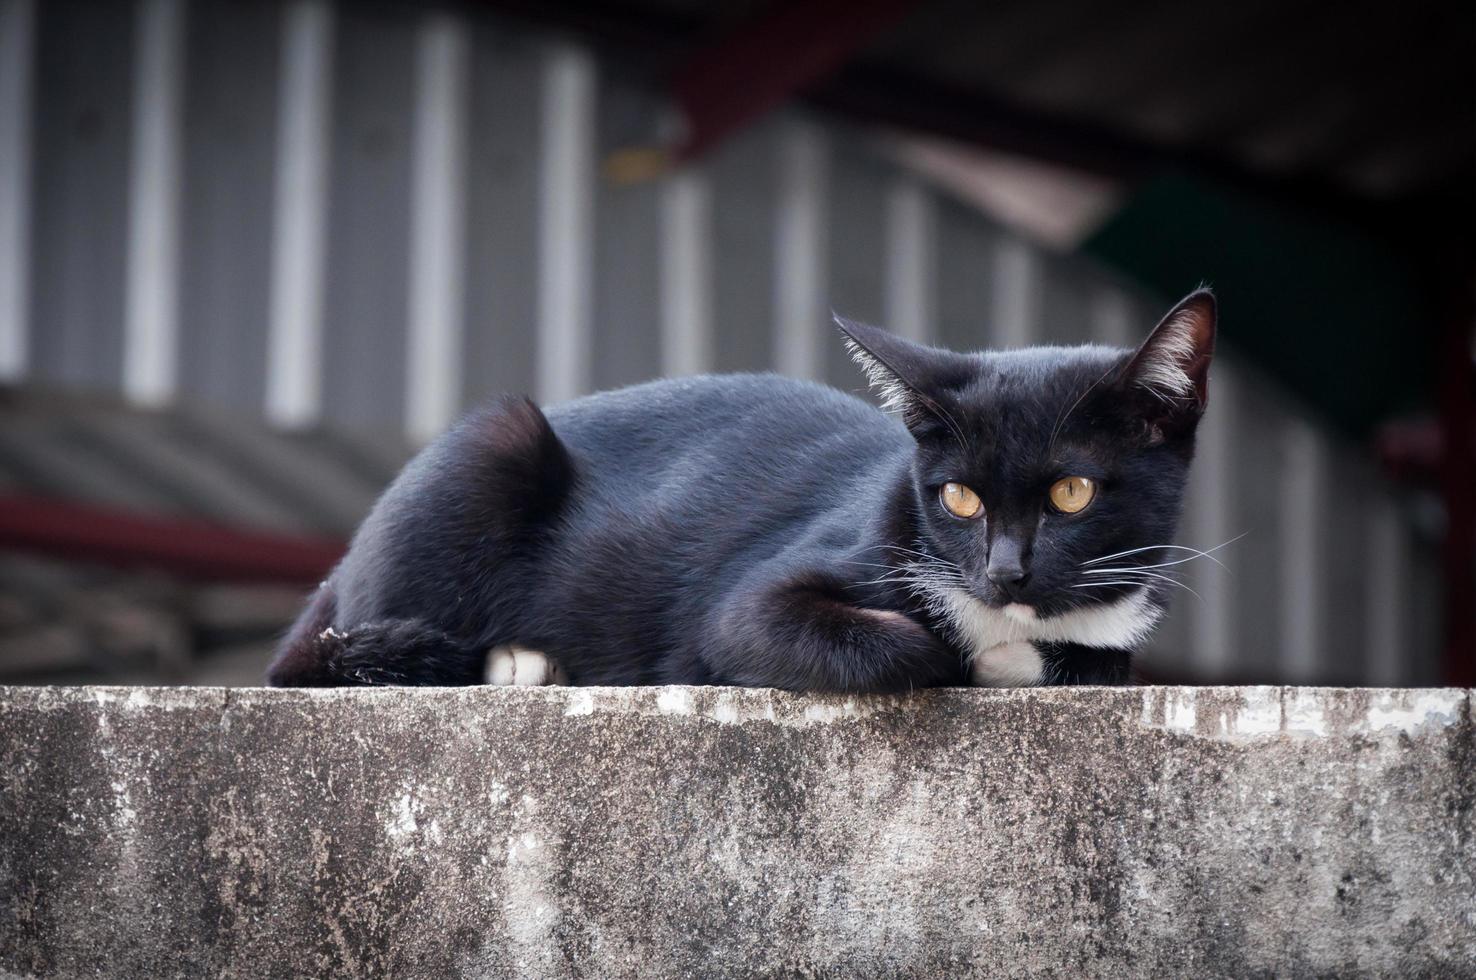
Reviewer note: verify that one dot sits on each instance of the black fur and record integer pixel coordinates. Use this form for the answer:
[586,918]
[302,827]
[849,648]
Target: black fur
[754,530]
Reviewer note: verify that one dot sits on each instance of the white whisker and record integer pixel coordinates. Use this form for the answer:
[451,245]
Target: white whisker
[1171,547]
[1146,576]
[1124,570]
[1106,569]
[1168,564]
[906,579]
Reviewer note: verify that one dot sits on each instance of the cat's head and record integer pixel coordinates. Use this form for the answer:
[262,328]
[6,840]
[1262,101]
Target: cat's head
[1048,478]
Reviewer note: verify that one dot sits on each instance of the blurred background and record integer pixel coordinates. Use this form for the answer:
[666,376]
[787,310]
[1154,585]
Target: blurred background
[253,253]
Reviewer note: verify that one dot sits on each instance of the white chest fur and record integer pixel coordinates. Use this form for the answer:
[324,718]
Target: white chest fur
[1007,665]
[1000,643]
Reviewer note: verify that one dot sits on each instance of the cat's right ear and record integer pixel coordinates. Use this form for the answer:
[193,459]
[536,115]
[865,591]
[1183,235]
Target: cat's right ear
[910,379]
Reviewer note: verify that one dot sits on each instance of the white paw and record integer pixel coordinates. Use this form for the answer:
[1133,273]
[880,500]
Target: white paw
[1008,665]
[512,665]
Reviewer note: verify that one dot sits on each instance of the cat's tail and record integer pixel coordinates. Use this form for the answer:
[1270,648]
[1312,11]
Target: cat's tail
[388,652]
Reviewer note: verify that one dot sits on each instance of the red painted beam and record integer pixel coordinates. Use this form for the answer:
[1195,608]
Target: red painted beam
[81,532]
[736,80]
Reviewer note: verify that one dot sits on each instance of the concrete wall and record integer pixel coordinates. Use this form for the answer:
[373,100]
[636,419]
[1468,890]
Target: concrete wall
[706,832]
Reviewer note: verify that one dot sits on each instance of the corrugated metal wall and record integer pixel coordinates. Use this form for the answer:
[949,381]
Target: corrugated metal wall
[370,216]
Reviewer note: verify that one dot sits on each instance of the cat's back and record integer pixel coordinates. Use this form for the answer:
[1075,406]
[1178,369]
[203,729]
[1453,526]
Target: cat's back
[742,418]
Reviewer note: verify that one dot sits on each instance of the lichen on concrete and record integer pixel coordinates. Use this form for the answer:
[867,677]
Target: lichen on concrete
[709,832]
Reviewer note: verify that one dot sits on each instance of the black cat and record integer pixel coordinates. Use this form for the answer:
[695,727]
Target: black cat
[1008,525]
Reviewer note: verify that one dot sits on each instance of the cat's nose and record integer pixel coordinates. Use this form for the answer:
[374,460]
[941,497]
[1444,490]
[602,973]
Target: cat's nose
[1006,568]
[1007,576]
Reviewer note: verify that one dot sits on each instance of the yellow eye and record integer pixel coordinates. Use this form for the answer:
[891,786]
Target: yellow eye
[1072,494]
[961,501]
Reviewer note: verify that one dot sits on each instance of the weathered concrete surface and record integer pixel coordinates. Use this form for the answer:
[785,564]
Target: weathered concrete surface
[498,832]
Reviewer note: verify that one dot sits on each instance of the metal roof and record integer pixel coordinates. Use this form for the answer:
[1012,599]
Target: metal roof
[173,545]
[1351,101]
[191,463]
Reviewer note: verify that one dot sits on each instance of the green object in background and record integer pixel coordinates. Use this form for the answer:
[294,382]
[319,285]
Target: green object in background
[1333,313]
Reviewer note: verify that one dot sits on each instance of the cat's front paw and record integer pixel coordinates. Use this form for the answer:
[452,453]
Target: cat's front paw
[1017,664]
[513,665]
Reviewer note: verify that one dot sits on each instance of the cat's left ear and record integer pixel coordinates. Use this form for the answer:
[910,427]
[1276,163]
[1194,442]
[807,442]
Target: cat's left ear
[1172,366]
[915,381]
